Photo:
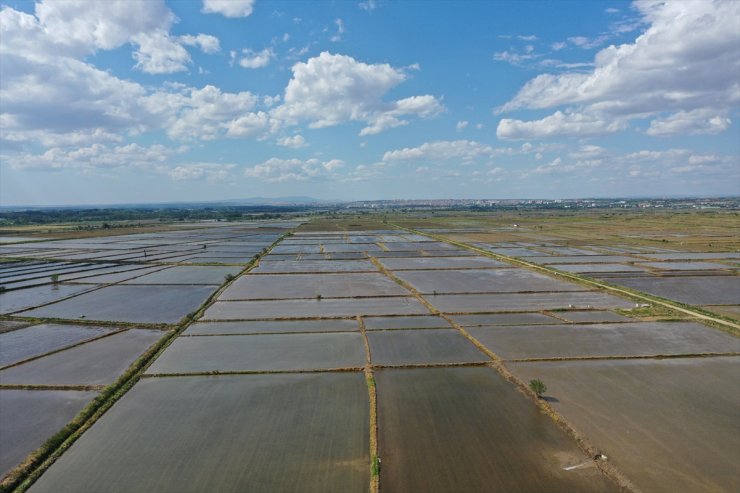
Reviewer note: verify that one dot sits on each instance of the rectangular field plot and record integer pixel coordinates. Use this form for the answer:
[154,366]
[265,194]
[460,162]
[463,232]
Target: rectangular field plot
[270,326]
[441,263]
[685,265]
[513,252]
[412,322]
[404,246]
[633,339]
[413,347]
[483,281]
[98,362]
[468,429]
[482,303]
[19,299]
[261,352]
[285,248]
[668,425]
[247,310]
[694,256]
[583,268]
[700,290]
[586,259]
[187,275]
[29,417]
[357,247]
[22,344]
[230,433]
[143,304]
[117,275]
[212,259]
[592,316]
[297,266]
[504,319]
[311,285]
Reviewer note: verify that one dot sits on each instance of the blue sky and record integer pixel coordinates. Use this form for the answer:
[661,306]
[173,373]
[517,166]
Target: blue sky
[153,101]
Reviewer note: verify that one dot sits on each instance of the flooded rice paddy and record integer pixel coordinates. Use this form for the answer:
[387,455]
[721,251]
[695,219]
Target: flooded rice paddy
[279,371]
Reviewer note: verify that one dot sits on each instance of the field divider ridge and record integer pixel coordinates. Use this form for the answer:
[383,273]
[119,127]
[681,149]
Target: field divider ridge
[497,364]
[729,326]
[373,408]
[23,476]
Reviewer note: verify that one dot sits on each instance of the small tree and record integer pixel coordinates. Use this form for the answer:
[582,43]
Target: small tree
[538,387]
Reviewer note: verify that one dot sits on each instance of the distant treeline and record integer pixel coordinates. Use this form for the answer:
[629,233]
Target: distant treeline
[49,216]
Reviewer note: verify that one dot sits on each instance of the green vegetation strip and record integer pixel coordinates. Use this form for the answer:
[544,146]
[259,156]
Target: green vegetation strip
[23,476]
[726,323]
[348,369]
[373,404]
[51,387]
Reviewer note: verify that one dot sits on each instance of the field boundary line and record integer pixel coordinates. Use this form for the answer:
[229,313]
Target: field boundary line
[497,365]
[217,373]
[620,358]
[734,328]
[54,351]
[21,386]
[344,331]
[373,411]
[22,477]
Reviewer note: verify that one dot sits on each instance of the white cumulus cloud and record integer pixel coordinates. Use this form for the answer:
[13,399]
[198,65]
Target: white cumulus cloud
[229,8]
[463,151]
[256,59]
[685,61]
[159,53]
[207,43]
[293,141]
[331,89]
[282,170]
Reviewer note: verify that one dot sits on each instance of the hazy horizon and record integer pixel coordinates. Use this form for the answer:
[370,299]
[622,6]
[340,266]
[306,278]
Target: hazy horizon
[131,102]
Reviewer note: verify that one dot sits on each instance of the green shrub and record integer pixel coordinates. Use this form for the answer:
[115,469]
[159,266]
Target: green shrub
[538,386]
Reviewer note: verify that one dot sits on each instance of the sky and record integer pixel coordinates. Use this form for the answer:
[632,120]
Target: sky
[115,102]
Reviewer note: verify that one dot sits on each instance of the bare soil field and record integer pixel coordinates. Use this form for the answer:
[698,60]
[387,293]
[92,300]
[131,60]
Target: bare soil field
[592,316]
[604,340]
[705,290]
[513,302]
[669,425]
[467,429]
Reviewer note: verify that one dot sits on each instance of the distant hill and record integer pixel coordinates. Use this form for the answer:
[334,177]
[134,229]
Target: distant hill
[273,200]
[253,201]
